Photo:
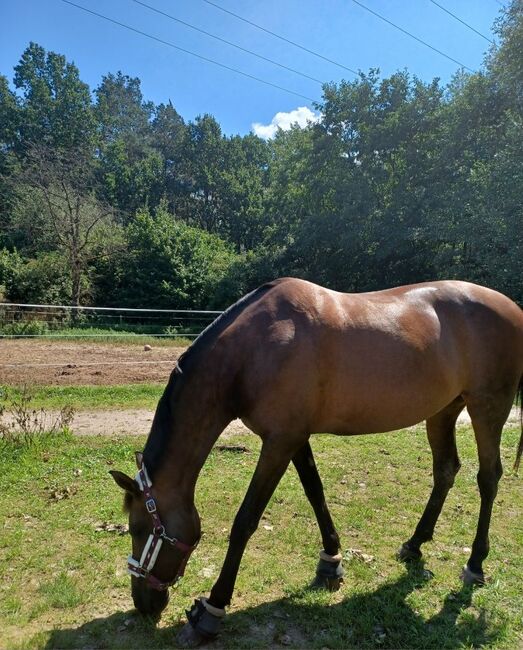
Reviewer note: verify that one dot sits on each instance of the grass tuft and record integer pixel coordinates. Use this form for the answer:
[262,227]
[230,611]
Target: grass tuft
[61,592]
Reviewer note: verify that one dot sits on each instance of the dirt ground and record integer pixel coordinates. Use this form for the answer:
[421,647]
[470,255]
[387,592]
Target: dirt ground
[66,363]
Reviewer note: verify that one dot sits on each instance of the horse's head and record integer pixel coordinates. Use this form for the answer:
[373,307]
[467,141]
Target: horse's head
[159,528]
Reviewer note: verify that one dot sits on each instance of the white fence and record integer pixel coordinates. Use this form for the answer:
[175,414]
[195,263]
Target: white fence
[65,321]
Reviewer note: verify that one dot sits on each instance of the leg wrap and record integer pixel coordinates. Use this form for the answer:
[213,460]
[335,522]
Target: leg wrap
[329,572]
[205,618]
[408,553]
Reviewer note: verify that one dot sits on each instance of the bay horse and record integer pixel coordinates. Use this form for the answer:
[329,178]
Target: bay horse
[292,359]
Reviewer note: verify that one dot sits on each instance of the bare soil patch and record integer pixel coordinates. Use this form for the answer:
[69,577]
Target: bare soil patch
[128,422]
[66,363]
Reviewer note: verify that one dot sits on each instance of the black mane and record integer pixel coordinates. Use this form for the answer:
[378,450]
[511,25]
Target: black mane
[163,417]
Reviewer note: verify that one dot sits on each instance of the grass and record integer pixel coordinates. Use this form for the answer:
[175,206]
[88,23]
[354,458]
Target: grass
[92,397]
[64,585]
[123,396]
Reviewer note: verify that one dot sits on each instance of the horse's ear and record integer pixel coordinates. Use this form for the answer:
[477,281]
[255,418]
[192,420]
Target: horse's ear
[125,482]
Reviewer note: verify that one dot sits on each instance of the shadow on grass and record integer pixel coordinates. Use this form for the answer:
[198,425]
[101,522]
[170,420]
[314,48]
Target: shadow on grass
[378,619]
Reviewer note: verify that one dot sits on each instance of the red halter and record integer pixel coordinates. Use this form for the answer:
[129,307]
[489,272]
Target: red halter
[142,568]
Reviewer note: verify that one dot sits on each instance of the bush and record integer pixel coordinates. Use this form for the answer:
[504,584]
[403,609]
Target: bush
[21,328]
[44,279]
[168,265]
[10,266]
[21,424]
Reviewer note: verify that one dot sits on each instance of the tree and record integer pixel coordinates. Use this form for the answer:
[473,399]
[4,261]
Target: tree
[131,170]
[505,63]
[72,218]
[204,160]
[55,105]
[121,111]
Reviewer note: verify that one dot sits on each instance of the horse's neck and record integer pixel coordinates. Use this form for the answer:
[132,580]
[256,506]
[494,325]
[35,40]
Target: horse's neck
[190,416]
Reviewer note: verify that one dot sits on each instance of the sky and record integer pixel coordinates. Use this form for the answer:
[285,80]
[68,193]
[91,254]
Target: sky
[340,30]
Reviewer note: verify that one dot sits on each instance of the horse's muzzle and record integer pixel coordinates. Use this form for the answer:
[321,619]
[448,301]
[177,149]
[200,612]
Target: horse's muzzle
[149,602]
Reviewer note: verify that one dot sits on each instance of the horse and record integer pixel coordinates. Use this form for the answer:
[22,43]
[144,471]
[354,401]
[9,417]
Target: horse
[291,359]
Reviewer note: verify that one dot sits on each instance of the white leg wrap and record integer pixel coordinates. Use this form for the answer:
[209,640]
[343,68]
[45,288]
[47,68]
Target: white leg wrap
[330,558]
[215,611]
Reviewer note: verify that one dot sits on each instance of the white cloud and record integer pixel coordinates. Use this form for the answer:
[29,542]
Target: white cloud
[300,116]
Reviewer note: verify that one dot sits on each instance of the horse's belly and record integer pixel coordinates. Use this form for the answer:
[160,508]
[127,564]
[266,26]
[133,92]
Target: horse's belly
[358,408]
[373,422]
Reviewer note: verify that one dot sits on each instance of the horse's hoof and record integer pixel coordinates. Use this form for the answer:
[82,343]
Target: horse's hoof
[326,583]
[189,637]
[407,554]
[329,573]
[204,621]
[470,577]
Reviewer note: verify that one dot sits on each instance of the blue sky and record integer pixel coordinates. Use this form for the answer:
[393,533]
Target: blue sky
[339,29]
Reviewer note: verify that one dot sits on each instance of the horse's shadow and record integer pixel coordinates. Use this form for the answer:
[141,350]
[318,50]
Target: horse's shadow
[379,619]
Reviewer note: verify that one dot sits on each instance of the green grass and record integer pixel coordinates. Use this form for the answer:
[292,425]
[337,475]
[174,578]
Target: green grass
[131,396]
[64,585]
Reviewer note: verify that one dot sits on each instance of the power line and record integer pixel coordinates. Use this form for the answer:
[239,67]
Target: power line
[462,21]
[223,40]
[282,38]
[181,49]
[435,49]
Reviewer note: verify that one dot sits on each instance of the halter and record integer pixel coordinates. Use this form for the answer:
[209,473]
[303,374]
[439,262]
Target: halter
[142,568]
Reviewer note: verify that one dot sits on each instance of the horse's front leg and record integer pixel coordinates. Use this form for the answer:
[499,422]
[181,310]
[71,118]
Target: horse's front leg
[329,573]
[206,615]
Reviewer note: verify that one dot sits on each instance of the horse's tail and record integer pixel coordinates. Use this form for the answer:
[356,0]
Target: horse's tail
[519,399]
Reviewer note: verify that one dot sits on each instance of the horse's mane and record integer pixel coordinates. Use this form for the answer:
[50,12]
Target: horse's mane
[163,417]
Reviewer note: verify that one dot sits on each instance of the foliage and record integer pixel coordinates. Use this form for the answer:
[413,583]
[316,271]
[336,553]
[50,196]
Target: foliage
[10,266]
[169,264]
[400,181]
[41,280]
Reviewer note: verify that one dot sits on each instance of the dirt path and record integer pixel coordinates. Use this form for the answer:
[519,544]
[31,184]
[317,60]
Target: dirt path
[127,422]
[66,363]
[138,422]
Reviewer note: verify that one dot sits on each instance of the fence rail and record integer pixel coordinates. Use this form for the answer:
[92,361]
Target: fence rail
[25,320]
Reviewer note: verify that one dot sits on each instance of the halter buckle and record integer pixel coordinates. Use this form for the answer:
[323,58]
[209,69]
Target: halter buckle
[150,504]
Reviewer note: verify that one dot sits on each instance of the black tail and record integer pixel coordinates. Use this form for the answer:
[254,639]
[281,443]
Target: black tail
[519,399]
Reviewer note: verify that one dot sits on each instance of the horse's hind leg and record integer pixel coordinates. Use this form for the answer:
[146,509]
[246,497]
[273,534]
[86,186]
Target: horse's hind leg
[488,417]
[442,438]
[329,573]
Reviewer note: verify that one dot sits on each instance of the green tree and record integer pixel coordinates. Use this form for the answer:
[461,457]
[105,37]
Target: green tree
[55,105]
[121,111]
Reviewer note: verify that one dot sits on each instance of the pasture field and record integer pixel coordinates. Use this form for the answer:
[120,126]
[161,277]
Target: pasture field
[62,561]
